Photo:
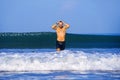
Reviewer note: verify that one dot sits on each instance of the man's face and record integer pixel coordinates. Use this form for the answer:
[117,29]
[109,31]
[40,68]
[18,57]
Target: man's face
[60,24]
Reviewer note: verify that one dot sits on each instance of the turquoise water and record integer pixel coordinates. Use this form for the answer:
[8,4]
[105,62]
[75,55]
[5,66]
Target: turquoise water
[70,64]
[48,39]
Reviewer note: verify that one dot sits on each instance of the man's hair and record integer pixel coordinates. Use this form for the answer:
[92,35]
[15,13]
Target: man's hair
[60,21]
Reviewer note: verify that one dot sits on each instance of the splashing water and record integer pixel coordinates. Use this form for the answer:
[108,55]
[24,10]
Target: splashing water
[80,60]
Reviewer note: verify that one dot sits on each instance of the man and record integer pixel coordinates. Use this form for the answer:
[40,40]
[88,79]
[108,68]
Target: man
[60,28]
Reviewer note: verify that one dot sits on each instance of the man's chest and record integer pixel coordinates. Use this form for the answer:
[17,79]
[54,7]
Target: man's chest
[59,30]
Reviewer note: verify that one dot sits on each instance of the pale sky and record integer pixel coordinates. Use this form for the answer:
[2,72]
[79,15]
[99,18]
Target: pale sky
[84,16]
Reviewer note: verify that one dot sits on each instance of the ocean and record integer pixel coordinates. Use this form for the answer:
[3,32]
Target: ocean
[48,40]
[32,56]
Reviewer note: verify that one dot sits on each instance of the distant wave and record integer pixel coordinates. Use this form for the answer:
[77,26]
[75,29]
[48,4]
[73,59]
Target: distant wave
[48,39]
[65,60]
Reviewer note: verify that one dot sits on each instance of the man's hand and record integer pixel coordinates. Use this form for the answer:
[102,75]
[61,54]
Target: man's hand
[57,23]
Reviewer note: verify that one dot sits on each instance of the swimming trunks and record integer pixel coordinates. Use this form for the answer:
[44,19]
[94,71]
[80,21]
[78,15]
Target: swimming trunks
[60,44]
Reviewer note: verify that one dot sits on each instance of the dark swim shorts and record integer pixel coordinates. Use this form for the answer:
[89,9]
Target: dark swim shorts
[60,44]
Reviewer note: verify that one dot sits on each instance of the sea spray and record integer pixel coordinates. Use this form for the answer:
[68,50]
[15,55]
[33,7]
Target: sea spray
[64,60]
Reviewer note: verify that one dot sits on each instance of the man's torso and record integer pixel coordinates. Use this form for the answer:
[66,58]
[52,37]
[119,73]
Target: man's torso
[61,32]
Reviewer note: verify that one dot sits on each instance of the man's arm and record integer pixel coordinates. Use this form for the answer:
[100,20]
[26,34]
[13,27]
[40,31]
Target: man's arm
[66,25]
[54,27]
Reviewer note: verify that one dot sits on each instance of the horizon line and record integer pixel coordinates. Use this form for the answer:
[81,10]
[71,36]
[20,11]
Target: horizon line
[70,33]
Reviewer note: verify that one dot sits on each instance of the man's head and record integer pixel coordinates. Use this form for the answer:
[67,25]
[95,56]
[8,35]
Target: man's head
[60,24]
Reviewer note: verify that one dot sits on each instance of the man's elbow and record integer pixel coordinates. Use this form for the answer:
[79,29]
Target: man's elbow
[67,25]
[53,27]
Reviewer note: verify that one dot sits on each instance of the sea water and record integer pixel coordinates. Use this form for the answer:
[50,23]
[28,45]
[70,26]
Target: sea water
[69,64]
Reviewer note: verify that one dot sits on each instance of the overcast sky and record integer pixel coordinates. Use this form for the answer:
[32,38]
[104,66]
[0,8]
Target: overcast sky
[84,16]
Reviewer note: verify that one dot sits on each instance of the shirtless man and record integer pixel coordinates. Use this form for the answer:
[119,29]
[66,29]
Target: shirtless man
[60,28]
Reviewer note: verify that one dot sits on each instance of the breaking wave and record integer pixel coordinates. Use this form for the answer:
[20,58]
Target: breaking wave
[64,60]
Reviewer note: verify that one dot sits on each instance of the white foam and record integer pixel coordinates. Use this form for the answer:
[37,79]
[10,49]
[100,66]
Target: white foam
[65,60]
